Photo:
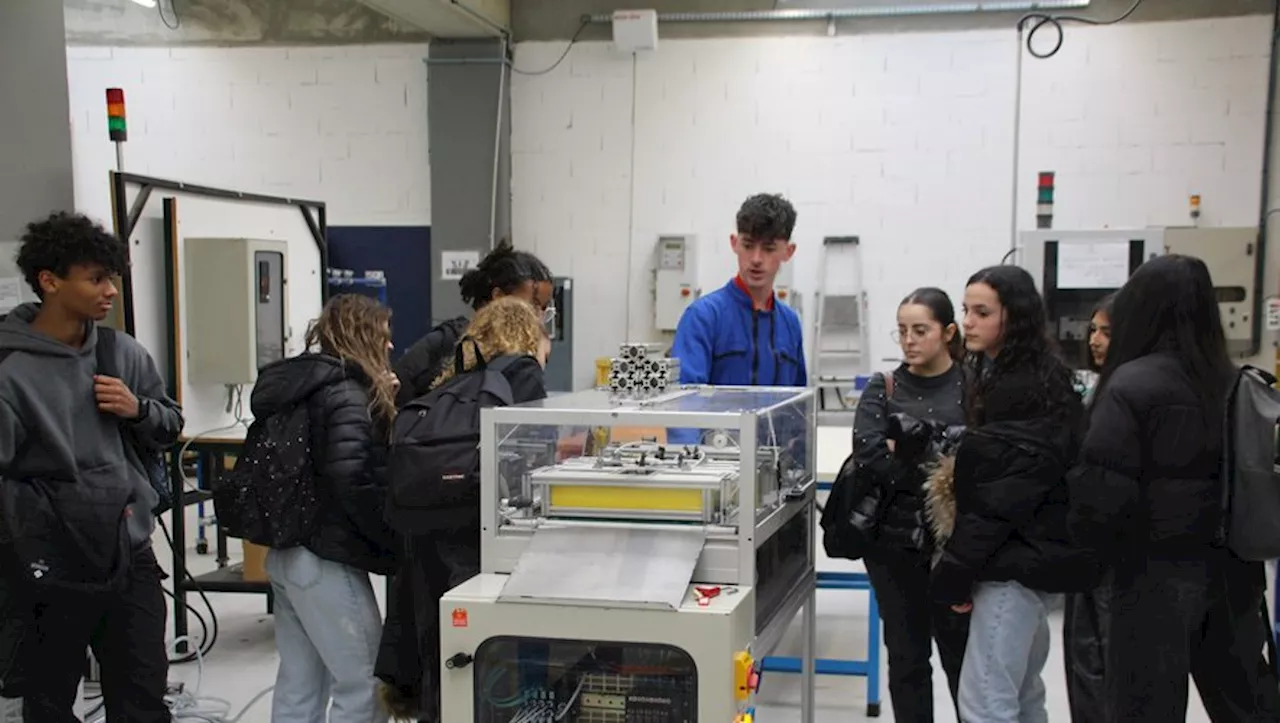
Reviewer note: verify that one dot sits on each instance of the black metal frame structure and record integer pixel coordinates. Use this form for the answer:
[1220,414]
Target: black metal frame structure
[210,455]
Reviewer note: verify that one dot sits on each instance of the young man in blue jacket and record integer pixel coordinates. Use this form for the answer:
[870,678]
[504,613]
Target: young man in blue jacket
[739,335]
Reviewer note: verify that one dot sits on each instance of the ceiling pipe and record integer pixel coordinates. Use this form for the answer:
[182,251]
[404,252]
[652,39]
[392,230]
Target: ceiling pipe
[889,11]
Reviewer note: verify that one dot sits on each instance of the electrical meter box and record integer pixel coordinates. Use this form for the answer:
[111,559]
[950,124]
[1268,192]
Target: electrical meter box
[676,280]
[236,310]
[783,287]
[1229,254]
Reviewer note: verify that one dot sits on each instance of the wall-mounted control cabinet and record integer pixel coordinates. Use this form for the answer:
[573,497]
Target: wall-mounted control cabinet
[236,307]
[676,280]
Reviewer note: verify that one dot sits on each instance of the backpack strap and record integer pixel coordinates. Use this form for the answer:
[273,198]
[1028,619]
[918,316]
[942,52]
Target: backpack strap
[888,385]
[459,358]
[1228,457]
[104,351]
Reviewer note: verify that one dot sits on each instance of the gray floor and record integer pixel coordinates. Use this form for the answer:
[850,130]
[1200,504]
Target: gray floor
[244,660]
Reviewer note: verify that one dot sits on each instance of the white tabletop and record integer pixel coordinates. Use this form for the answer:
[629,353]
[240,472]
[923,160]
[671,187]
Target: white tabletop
[834,445]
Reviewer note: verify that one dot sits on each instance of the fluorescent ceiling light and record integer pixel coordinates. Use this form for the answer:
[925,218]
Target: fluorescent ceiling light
[146,3]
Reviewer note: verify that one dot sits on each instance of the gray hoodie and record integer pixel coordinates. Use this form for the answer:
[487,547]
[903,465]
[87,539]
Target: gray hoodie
[49,415]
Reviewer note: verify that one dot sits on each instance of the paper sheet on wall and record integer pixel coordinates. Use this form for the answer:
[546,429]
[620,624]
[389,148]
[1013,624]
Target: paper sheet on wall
[10,293]
[454,264]
[1097,265]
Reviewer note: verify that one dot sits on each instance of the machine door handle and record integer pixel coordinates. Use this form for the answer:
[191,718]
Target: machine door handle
[459,660]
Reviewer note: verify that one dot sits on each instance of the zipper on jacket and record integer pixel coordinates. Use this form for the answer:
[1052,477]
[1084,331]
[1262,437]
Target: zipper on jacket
[755,347]
[773,347]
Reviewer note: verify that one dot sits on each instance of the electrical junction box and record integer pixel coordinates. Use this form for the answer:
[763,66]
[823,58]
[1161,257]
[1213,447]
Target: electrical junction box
[236,307]
[635,30]
[676,281]
[782,286]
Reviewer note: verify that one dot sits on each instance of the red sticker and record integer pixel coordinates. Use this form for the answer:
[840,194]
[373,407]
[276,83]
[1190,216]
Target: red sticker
[459,617]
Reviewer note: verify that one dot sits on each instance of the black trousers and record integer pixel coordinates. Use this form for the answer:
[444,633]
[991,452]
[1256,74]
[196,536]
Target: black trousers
[440,563]
[1085,633]
[912,622]
[1171,619]
[126,632]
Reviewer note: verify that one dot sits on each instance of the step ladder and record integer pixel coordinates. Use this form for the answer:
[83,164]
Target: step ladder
[841,343]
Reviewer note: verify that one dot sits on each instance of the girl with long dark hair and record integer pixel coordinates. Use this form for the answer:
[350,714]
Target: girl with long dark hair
[1147,494]
[896,417]
[1085,619]
[1008,549]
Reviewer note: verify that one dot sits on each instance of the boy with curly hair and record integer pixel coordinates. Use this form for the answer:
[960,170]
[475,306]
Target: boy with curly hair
[69,441]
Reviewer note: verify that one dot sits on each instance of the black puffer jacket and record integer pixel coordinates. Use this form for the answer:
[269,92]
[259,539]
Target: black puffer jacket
[349,451]
[421,363]
[901,476]
[1149,479]
[1011,499]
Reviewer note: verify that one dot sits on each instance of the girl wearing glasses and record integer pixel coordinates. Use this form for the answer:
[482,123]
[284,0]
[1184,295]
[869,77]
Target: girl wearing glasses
[504,272]
[892,431]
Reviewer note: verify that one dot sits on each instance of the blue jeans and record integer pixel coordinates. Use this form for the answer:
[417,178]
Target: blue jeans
[327,632]
[1008,646]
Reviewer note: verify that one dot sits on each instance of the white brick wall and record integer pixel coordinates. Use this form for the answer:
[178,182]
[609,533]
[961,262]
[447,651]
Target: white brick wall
[905,140]
[344,125]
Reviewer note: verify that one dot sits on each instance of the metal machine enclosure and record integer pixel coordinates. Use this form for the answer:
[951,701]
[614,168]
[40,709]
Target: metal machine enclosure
[236,306]
[592,661]
[603,520]
[1076,269]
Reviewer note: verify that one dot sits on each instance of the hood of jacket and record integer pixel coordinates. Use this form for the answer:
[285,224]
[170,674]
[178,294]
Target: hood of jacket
[287,382]
[16,334]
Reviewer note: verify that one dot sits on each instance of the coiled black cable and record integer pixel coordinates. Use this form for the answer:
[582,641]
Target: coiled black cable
[1040,21]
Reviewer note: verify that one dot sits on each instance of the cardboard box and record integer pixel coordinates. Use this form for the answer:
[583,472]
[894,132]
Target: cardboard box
[255,562]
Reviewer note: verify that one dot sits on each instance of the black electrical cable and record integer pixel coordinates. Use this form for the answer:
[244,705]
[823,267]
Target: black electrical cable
[586,20]
[209,627]
[1040,21]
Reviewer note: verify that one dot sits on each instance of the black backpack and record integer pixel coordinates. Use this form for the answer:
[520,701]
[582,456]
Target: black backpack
[1251,467]
[271,497]
[434,466]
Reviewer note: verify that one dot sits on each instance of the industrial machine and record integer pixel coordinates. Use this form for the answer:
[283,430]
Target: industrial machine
[629,579]
[675,283]
[1077,269]
[236,307]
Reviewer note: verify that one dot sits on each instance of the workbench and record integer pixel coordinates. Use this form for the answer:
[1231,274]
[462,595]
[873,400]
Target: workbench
[211,454]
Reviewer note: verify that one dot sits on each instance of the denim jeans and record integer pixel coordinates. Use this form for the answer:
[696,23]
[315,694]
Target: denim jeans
[1008,646]
[327,632]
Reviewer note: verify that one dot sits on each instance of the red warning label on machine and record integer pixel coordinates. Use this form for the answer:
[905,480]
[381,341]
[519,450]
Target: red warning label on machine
[459,617]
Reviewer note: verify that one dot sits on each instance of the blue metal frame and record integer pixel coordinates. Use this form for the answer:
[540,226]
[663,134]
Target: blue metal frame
[869,668]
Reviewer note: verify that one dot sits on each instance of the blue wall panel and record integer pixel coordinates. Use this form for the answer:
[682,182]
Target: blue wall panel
[403,253]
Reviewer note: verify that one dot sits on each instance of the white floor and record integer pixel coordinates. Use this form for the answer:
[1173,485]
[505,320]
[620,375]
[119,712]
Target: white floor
[244,659]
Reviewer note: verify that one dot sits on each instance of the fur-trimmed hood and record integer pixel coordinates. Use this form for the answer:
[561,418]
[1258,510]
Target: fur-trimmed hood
[940,500]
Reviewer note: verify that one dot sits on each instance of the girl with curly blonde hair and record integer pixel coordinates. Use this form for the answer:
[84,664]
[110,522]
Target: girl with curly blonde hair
[511,330]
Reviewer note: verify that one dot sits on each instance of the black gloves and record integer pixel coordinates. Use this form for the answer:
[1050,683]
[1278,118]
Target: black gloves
[917,441]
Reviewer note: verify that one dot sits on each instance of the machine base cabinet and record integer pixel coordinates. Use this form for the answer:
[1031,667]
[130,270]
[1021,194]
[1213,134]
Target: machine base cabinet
[531,662]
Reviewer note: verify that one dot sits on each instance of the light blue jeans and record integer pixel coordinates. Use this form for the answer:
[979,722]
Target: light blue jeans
[327,633]
[1008,646]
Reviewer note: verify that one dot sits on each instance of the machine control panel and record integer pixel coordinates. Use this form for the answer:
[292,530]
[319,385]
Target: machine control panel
[675,280]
